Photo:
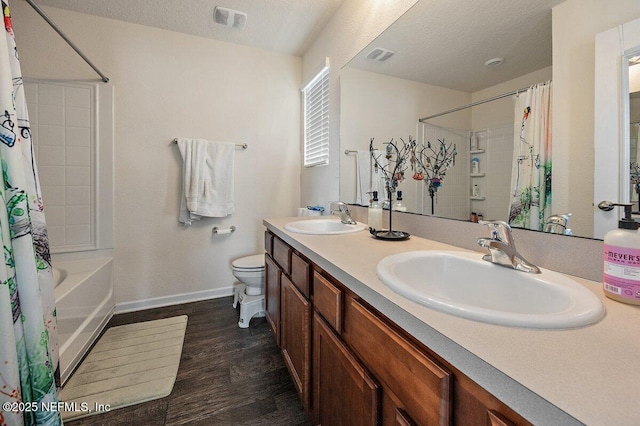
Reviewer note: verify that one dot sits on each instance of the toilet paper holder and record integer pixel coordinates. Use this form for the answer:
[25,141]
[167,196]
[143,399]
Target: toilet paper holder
[216,230]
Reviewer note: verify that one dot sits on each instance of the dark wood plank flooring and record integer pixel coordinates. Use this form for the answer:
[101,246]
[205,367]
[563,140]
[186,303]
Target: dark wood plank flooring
[227,375]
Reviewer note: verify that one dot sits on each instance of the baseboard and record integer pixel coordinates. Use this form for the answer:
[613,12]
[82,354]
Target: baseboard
[175,299]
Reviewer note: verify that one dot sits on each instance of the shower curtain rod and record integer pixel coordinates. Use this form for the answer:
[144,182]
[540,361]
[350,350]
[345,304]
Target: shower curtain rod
[484,101]
[65,38]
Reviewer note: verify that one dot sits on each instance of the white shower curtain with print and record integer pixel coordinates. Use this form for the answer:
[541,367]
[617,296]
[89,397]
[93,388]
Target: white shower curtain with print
[530,199]
[28,335]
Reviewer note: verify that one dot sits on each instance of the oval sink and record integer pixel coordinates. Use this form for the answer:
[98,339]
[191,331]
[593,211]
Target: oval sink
[463,284]
[323,227]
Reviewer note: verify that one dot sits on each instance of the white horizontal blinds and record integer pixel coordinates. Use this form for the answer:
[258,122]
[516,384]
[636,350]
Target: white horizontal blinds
[316,119]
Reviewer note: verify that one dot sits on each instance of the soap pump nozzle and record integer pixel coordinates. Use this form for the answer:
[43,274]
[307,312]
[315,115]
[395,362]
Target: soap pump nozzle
[627,222]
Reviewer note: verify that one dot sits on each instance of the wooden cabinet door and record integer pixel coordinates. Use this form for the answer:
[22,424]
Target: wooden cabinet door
[273,276]
[295,337]
[411,380]
[343,391]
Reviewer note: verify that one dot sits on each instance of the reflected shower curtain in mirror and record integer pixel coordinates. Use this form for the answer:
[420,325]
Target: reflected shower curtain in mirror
[530,199]
[28,335]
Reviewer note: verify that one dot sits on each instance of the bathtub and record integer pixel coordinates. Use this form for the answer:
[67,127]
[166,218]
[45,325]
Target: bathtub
[84,305]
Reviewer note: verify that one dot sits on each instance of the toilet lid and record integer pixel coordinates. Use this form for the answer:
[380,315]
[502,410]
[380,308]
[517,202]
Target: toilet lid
[249,262]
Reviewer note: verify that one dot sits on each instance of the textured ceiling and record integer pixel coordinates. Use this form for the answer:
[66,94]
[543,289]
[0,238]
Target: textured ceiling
[439,42]
[446,43]
[286,26]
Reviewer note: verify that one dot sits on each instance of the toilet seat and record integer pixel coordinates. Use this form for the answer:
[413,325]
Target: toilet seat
[249,263]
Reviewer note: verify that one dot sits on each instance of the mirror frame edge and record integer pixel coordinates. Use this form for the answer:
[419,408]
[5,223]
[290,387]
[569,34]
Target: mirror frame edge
[611,106]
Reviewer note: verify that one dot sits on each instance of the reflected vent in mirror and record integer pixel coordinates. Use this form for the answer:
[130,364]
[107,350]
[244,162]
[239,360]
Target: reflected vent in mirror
[380,54]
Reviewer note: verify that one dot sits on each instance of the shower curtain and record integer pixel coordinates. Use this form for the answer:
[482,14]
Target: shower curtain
[530,199]
[28,336]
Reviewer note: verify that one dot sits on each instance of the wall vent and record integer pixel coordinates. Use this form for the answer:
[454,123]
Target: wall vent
[229,17]
[380,54]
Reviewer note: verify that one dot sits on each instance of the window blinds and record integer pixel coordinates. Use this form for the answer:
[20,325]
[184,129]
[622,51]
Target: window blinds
[316,119]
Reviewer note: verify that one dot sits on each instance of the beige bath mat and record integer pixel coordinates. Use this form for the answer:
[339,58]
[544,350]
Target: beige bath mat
[130,364]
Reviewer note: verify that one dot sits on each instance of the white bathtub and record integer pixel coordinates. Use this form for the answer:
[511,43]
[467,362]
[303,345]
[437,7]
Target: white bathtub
[84,306]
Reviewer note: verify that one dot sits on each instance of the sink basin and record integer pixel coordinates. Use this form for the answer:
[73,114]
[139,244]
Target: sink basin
[323,227]
[464,285]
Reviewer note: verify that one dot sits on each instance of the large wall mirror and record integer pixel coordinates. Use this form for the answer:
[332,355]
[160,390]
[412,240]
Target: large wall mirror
[436,59]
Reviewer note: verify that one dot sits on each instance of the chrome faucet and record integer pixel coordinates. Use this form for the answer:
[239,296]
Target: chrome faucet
[343,212]
[502,249]
[558,224]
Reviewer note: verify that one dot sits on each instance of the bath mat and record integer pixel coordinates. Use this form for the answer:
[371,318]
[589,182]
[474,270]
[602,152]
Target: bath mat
[130,364]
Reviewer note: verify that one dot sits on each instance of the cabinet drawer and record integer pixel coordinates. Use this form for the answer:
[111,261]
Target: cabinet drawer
[300,270]
[268,242]
[328,301]
[282,254]
[422,387]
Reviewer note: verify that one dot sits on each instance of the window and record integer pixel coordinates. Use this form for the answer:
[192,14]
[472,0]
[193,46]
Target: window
[316,119]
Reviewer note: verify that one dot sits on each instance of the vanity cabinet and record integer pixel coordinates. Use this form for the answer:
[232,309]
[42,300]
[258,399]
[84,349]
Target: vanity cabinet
[288,311]
[354,366]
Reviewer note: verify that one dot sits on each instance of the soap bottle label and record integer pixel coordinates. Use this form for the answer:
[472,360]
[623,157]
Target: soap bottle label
[622,272]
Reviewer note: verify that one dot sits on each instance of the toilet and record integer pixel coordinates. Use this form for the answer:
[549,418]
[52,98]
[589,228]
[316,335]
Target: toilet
[249,293]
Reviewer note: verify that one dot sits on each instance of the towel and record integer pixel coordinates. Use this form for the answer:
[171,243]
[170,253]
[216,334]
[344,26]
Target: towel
[363,177]
[208,179]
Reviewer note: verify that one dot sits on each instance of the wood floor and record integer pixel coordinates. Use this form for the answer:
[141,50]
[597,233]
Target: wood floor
[227,375]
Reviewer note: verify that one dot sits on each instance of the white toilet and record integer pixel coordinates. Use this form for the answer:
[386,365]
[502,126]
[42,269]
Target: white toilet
[249,293]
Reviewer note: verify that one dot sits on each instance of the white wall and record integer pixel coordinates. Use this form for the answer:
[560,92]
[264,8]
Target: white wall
[575,25]
[354,25]
[494,113]
[170,85]
[385,108]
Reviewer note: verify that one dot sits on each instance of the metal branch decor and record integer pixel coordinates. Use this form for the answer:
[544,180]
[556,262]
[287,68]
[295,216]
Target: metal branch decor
[431,162]
[392,164]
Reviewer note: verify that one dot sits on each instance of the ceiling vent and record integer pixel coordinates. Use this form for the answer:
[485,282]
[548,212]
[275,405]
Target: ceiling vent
[380,54]
[229,17]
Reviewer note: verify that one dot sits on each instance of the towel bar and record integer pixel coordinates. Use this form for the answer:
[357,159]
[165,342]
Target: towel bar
[238,145]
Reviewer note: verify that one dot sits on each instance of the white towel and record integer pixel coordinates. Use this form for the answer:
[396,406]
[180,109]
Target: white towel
[363,177]
[208,179]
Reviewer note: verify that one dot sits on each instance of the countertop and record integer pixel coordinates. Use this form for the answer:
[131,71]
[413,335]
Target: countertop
[584,375]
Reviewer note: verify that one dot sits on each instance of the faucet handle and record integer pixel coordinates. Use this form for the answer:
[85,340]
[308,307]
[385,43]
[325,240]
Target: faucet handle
[499,230]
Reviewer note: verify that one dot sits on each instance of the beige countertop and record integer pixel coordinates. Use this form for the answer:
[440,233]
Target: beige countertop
[584,375]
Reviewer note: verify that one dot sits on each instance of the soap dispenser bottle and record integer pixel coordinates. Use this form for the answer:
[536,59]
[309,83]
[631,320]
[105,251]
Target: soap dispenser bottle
[375,214]
[397,205]
[621,274]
